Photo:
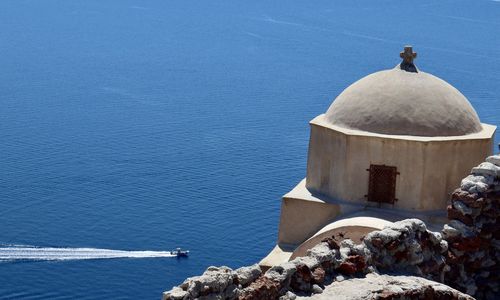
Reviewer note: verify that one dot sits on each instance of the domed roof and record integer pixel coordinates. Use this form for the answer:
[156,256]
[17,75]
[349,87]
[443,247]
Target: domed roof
[404,101]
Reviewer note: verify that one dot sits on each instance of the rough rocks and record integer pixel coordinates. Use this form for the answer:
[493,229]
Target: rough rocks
[288,296]
[486,169]
[408,246]
[477,183]
[494,159]
[303,275]
[316,289]
[247,275]
[214,283]
[177,293]
[262,288]
[375,286]
[473,233]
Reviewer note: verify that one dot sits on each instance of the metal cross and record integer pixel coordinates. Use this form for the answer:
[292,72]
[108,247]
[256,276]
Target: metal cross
[408,56]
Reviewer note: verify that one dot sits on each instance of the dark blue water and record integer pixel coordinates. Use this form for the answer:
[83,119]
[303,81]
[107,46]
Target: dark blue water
[147,125]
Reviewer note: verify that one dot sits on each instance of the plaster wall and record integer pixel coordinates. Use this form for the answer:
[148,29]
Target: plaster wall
[429,167]
[301,219]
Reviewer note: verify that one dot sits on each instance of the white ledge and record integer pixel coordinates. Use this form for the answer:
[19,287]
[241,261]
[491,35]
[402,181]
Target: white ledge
[486,133]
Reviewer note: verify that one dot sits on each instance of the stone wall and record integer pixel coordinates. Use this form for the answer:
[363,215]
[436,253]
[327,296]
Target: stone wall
[216,283]
[473,233]
[387,287]
[465,255]
[407,247]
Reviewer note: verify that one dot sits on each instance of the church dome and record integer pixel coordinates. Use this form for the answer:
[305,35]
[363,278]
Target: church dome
[404,101]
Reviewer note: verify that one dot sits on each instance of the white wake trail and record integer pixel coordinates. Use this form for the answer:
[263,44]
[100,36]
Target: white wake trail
[39,253]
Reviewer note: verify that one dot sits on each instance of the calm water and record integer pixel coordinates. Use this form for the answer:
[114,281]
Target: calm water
[147,125]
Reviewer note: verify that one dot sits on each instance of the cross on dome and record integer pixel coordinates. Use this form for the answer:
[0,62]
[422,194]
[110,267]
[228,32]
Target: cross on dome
[408,56]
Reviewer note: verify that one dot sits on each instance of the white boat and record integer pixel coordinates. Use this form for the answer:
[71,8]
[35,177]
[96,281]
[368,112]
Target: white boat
[179,252]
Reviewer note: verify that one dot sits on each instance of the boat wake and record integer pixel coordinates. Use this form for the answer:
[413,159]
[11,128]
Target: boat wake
[30,253]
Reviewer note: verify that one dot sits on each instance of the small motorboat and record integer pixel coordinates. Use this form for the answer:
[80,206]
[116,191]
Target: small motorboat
[179,252]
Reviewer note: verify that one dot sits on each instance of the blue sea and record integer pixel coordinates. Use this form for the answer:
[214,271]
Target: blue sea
[131,125]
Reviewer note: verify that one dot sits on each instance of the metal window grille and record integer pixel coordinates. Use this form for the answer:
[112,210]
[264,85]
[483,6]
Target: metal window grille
[382,184]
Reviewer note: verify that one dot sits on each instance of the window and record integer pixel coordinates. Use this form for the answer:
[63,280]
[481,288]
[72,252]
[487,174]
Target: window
[382,184]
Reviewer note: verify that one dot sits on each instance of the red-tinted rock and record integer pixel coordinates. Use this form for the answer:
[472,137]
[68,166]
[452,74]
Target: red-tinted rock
[318,275]
[430,267]
[468,244]
[457,215]
[401,255]
[353,264]
[377,242]
[332,243]
[262,288]
[304,273]
[419,293]
[453,259]
[347,268]
[474,265]
[464,196]
[392,245]
[327,266]
[301,280]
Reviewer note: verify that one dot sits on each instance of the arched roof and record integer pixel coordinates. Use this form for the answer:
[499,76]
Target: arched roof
[401,102]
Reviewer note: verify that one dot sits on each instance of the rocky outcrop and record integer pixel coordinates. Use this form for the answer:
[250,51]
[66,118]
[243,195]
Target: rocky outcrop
[309,274]
[465,256]
[409,247]
[473,233]
[215,283]
[385,287]
[414,249]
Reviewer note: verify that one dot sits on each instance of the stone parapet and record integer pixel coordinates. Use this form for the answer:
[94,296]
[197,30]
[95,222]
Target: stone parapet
[473,233]
[406,246]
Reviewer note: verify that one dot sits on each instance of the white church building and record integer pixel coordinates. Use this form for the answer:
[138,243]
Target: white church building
[392,145]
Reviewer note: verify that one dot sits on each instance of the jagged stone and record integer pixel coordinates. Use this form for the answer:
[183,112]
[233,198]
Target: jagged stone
[347,247]
[309,261]
[262,288]
[409,225]
[213,280]
[322,252]
[176,293]
[282,273]
[494,159]
[302,279]
[316,289]
[436,237]
[247,275]
[456,228]
[443,246]
[454,213]
[288,296]
[462,207]
[472,251]
[332,243]
[477,183]
[470,199]
[375,286]
[486,168]
[318,275]
[347,268]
